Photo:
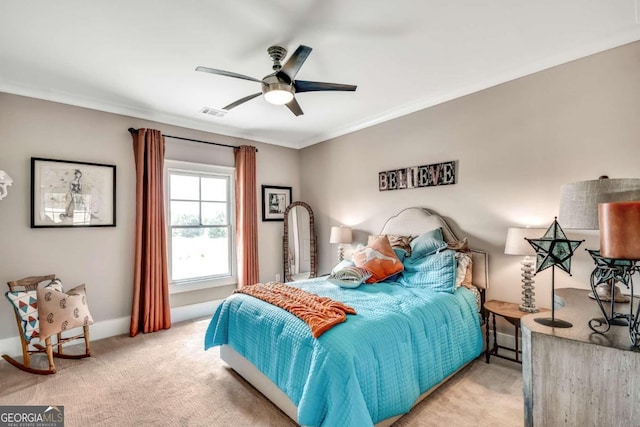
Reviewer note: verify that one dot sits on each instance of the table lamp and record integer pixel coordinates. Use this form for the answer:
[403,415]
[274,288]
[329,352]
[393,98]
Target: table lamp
[341,235]
[517,244]
[579,210]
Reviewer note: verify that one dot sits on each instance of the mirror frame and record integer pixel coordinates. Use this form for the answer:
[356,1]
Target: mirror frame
[285,242]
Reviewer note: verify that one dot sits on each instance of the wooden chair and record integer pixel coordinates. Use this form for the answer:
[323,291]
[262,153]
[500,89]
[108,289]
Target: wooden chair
[31,284]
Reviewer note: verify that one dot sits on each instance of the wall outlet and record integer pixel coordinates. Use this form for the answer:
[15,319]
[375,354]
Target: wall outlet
[277,277]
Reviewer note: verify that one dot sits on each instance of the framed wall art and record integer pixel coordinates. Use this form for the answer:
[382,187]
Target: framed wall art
[274,202]
[66,193]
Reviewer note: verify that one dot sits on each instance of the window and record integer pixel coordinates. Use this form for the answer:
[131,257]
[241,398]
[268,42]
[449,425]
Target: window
[200,219]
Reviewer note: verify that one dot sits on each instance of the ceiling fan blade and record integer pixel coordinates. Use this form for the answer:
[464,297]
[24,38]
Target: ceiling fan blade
[242,101]
[294,107]
[227,73]
[294,63]
[307,86]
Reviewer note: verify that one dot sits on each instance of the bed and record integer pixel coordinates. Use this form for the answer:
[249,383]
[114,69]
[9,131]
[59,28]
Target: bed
[370,370]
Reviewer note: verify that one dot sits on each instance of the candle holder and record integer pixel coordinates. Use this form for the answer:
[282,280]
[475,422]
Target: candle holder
[620,250]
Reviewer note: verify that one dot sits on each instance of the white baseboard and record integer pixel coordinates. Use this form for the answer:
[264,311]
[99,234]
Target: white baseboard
[119,326]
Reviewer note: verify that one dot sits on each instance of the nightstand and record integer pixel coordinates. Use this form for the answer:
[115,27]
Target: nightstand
[512,314]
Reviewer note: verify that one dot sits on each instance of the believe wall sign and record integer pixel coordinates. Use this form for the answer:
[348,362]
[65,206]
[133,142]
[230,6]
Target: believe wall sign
[418,176]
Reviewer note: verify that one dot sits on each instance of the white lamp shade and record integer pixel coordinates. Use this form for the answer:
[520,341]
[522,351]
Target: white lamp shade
[516,243]
[341,235]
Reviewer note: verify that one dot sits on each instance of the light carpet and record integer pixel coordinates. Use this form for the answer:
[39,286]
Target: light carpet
[167,379]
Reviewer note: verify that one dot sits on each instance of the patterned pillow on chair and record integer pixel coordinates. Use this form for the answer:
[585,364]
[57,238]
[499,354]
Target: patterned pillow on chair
[60,311]
[26,304]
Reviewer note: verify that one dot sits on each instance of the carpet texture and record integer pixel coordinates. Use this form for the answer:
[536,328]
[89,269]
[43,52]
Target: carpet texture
[166,379]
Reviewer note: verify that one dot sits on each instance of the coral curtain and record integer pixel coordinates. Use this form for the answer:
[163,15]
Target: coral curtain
[151,309]
[246,215]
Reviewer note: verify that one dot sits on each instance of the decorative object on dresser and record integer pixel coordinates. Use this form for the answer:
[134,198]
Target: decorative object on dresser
[517,244]
[341,235]
[275,200]
[579,210]
[554,249]
[5,181]
[620,246]
[72,194]
[299,243]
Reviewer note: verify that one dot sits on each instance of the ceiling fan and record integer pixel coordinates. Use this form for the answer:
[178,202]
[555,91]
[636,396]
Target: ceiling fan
[280,86]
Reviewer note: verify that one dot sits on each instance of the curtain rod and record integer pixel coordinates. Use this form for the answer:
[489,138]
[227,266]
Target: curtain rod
[132,130]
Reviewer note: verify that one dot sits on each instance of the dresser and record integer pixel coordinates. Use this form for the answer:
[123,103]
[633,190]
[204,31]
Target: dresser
[575,377]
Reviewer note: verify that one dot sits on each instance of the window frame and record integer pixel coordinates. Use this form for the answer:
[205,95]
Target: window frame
[201,170]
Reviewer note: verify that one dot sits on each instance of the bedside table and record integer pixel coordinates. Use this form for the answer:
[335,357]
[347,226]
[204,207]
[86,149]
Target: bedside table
[512,314]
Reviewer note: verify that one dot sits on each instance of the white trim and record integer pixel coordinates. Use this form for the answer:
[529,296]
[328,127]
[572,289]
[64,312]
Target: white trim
[119,326]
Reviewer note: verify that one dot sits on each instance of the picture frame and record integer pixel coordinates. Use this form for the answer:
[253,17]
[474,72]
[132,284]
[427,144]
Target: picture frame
[66,193]
[275,200]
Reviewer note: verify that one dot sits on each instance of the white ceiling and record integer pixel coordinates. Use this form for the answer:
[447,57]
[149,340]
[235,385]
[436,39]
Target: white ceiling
[138,58]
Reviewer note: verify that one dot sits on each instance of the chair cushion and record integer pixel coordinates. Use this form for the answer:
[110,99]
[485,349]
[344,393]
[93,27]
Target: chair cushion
[59,311]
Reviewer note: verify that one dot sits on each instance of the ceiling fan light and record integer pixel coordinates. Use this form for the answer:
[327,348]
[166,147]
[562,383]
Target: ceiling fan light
[279,94]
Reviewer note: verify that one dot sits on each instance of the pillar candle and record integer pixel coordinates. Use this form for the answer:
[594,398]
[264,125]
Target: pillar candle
[620,230]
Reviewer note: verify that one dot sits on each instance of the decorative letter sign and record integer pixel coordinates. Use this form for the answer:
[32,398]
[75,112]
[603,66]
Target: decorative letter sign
[418,176]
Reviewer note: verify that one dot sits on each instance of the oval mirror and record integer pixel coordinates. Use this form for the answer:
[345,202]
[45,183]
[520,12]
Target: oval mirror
[299,243]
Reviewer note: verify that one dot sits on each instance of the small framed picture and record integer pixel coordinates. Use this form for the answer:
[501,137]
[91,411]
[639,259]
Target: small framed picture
[72,194]
[274,202]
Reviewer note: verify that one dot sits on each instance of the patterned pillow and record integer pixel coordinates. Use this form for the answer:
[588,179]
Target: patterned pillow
[26,305]
[60,311]
[349,276]
[401,242]
[465,266]
[378,258]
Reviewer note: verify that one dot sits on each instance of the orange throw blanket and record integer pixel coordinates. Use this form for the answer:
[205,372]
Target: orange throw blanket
[320,313]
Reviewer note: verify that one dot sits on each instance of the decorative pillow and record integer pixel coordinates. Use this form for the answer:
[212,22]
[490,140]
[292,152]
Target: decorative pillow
[60,311]
[436,271]
[349,277]
[342,264]
[427,243]
[459,245]
[401,242]
[25,303]
[463,261]
[378,258]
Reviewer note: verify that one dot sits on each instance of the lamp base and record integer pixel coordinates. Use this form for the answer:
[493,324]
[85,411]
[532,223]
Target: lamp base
[604,293]
[554,323]
[528,309]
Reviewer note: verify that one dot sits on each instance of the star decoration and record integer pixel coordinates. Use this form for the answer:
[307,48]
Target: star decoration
[609,268]
[554,249]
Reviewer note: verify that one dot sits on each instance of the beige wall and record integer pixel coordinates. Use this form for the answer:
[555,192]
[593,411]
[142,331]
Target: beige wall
[515,144]
[103,257]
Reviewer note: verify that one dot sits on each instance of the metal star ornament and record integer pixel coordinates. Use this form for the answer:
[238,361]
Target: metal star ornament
[554,248]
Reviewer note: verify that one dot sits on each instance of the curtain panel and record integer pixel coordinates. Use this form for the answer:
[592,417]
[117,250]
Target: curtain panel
[246,215]
[151,309]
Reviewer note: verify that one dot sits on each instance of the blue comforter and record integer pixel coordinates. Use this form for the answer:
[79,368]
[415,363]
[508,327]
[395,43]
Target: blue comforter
[402,342]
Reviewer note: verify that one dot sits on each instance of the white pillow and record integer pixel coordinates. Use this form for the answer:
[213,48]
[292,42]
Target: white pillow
[342,264]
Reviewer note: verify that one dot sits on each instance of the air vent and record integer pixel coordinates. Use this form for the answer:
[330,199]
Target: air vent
[213,112]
